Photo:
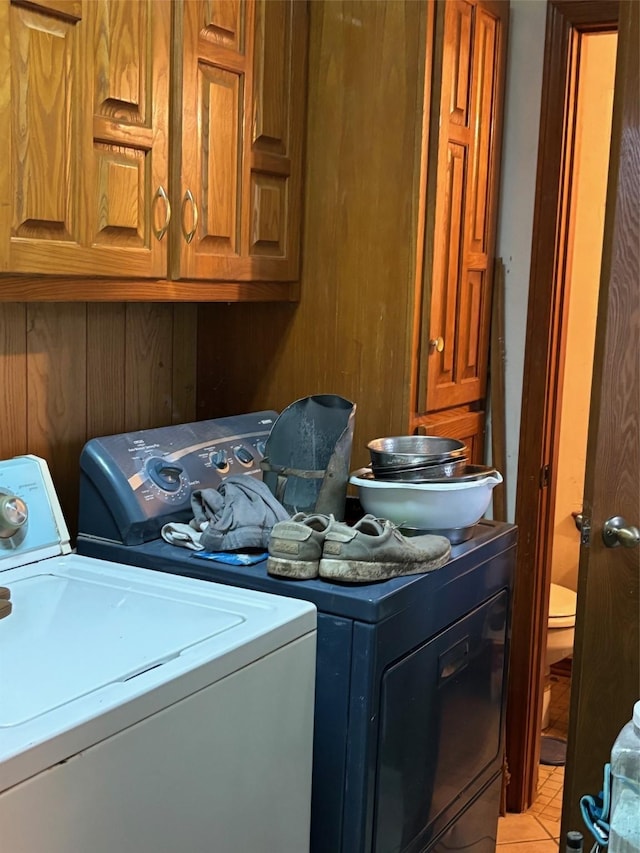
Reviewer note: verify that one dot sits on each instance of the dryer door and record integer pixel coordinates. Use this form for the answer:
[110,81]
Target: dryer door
[440,728]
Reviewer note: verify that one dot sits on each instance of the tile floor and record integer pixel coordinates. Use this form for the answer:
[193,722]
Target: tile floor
[538,830]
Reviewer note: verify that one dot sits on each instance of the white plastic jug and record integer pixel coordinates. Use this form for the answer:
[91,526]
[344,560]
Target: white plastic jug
[624,835]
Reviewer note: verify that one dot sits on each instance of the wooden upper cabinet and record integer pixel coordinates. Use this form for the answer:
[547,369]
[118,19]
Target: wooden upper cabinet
[456,341]
[153,143]
[239,189]
[84,100]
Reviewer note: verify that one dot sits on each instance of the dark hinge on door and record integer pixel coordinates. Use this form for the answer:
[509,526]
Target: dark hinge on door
[583,524]
[585,532]
[544,476]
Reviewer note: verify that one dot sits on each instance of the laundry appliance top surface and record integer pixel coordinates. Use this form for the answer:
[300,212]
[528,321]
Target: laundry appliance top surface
[91,647]
[122,513]
[459,583]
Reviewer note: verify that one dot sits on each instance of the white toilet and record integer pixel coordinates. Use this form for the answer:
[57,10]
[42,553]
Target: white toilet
[560,633]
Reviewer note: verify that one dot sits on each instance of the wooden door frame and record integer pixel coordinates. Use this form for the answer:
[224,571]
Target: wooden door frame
[607,642]
[540,390]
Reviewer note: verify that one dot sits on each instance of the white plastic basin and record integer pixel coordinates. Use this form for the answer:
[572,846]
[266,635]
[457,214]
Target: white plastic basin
[425,506]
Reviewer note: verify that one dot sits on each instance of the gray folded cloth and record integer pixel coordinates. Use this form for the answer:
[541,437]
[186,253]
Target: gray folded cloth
[183,535]
[239,514]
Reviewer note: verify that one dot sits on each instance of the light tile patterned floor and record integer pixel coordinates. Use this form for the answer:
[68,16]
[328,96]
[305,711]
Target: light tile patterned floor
[538,830]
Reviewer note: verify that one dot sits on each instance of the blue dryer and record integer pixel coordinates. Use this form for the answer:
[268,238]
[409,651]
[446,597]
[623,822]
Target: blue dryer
[411,672]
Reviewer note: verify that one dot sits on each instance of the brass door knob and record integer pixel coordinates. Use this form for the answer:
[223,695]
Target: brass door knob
[437,344]
[616,532]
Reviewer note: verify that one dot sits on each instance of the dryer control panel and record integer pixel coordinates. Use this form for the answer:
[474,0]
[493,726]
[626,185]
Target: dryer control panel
[133,483]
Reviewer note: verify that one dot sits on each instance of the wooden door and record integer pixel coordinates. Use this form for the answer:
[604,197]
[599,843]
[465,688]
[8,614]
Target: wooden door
[84,101]
[242,114]
[566,20]
[606,663]
[456,337]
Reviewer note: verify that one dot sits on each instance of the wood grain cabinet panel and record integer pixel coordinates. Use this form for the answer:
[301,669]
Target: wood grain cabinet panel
[47,101]
[243,90]
[469,130]
[465,424]
[457,60]
[87,113]
[99,182]
[447,267]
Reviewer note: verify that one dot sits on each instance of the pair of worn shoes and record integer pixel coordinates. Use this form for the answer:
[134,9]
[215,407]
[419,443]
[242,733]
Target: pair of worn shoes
[308,546]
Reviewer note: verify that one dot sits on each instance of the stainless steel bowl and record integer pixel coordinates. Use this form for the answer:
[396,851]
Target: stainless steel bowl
[436,470]
[410,451]
[467,474]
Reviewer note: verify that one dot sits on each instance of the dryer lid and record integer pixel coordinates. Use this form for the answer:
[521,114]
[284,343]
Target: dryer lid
[562,604]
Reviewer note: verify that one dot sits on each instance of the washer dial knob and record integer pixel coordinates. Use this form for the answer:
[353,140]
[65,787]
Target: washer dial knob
[166,475]
[13,515]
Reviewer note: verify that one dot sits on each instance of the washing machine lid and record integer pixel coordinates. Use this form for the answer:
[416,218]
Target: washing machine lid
[92,647]
[562,606]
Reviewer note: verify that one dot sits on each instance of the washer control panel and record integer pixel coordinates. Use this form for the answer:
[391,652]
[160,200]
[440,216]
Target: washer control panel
[31,523]
[133,483]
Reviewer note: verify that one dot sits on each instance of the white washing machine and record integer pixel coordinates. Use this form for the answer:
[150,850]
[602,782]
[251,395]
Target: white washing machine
[143,712]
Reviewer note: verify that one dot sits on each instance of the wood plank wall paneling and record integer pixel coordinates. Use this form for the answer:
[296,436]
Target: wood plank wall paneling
[105,368]
[350,334]
[56,380]
[148,341]
[13,385]
[183,396]
[72,371]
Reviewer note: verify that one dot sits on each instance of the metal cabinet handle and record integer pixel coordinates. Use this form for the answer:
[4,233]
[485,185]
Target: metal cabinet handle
[437,344]
[160,193]
[616,532]
[189,199]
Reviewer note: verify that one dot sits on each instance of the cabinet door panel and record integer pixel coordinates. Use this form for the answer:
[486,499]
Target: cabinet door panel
[87,108]
[128,157]
[463,424]
[120,58]
[484,94]
[120,196]
[469,327]
[268,226]
[273,211]
[457,60]
[446,270]
[214,83]
[221,23]
[220,109]
[474,44]
[271,77]
[46,100]
[243,74]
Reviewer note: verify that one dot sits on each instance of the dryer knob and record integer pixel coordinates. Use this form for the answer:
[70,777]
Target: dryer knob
[13,515]
[243,455]
[218,458]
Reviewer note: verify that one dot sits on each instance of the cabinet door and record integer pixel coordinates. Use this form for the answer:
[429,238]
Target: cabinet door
[84,102]
[243,82]
[474,43]
[464,424]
